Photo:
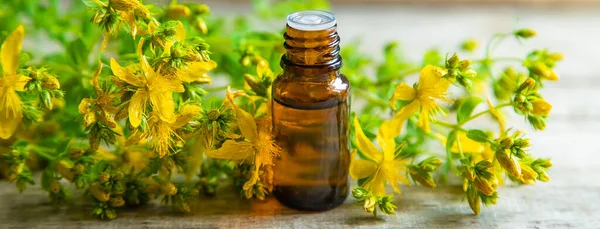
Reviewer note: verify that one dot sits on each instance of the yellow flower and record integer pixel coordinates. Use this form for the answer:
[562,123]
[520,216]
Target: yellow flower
[541,107]
[196,72]
[380,165]
[161,133]
[151,87]
[259,144]
[11,110]
[422,97]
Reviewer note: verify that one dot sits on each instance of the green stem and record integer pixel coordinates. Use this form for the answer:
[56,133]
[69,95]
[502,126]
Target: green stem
[448,125]
[483,113]
[365,94]
[398,77]
[216,89]
[42,151]
[462,156]
[499,59]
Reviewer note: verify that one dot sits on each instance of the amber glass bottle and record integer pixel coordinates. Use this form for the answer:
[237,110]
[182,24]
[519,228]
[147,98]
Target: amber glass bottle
[310,116]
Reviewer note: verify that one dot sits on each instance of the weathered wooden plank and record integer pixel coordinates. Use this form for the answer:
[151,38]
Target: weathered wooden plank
[570,200]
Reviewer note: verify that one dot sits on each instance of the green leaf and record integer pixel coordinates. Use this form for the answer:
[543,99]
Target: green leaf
[78,52]
[478,136]
[62,148]
[450,140]
[90,3]
[467,107]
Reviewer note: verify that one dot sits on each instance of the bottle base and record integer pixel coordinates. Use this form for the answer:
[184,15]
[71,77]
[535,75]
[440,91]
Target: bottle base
[311,198]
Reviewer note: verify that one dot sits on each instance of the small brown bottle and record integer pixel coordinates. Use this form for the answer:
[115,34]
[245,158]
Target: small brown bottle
[311,115]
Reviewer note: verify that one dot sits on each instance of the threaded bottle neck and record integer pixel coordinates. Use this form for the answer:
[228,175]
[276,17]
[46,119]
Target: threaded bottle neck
[312,49]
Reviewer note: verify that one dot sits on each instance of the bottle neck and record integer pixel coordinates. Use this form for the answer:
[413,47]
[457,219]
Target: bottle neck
[311,49]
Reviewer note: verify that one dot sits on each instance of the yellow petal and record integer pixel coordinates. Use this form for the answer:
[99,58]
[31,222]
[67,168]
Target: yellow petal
[19,82]
[232,150]
[197,150]
[163,104]
[11,113]
[125,74]
[180,32]
[130,20]
[84,106]
[11,51]
[197,71]
[403,92]
[186,114]
[263,67]
[246,124]
[385,139]
[137,107]
[424,121]
[365,145]
[377,185]
[398,120]
[362,168]
[162,84]
[146,68]
[541,107]
[430,76]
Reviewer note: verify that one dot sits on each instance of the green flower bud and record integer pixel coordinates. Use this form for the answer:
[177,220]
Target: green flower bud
[255,84]
[369,205]
[424,179]
[556,56]
[116,202]
[464,64]
[525,33]
[78,169]
[99,193]
[75,154]
[484,186]
[246,61]
[200,26]
[508,162]
[546,163]
[118,176]
[506,143]
[111,214]
[537,122]
[474,200]
[200,9]
[55,186]
[470,73]
[541,107]
[470,45]
[527,85]
[452,62]
[104,177]
[184,207]
[528,172]
[466,83]
[177,11]
[543,176]
[359,192]
[124,5]
[541,69]
[50,82]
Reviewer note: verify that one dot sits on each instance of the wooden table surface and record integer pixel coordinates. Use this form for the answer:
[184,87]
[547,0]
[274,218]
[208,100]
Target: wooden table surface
[572,139]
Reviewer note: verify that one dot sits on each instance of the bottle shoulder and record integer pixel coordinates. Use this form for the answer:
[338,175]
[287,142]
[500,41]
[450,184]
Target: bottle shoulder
[322,90]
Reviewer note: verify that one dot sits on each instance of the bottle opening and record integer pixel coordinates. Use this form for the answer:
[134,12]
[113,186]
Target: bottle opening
[311,20]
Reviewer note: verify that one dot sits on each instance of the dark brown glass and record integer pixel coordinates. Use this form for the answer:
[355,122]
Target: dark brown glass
[310,122]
